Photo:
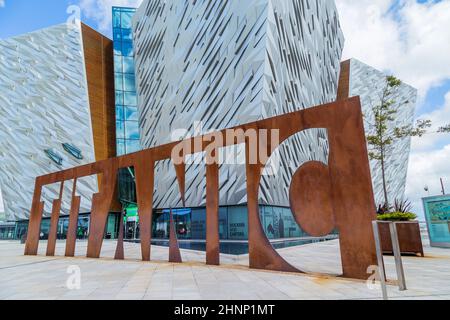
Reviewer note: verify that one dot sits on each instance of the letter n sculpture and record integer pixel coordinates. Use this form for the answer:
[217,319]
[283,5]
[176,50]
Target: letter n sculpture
[322,197]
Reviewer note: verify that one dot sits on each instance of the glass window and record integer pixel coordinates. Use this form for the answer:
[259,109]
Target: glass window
[131,130]
[117,34]
[119,113]
[161,225]
[132,146]
[223,223]
[118,81]
[120,129]
[267,221]
[117,48]
[116,18]
[127,48]
[120,147]
[127,19]
[128,65]
[63,227]
[131,114]
[291,228]
[128,81]
[45,229]
[127,34]
[198,224]
[83,228]
[237,223]
[118,63]
[119,97]
[130,99]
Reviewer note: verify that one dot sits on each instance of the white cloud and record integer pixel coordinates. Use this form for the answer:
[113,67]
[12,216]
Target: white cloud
[439,117]
[2,3]
[412,41]
[101,11]
[430,157]
[425,169]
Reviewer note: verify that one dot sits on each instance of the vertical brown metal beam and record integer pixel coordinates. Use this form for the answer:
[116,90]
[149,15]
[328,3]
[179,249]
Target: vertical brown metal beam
[101,203]
[344,81]
[212,215]
[261,253]
[120,254]
[56,211]
[145,170]
[73,222]
[180,170]
[352,190]
[174,248]
[34,226]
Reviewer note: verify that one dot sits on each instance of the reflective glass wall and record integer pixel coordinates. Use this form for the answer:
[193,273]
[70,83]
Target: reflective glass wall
[278,223]
[125,87]
[127,127]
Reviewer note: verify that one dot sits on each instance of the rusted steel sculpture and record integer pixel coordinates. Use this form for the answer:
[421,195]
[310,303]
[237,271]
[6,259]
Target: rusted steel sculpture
[56,211]
[174,249]
[323,198]
[120,252]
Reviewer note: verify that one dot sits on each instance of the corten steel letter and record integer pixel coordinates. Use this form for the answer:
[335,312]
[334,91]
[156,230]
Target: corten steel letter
[343,197]
[34,226]
[180,170]
[101,202]
[174,248]
[351,188]
[73,222]
[145,171]
[212,215]
[261,253]
[56,211]
[120,254]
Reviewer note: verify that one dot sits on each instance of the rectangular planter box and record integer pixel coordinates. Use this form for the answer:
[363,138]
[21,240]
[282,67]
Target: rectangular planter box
[409,238]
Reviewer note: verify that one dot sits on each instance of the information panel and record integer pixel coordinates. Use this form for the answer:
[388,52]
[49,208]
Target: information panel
[437,213]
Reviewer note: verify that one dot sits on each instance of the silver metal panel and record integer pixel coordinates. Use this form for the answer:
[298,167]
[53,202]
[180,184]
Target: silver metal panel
[368,83]
[43,103]
[229,62]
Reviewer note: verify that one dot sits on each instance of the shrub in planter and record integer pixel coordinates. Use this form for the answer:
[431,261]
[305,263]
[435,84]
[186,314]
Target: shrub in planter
[408,230]
[397,216]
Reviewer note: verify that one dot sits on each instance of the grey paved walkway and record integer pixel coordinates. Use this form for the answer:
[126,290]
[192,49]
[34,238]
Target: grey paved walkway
[46,278]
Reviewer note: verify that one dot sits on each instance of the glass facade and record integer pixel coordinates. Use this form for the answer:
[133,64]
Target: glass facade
[127,125]
[127,128]
[190,224]
[111,232]
[7,231]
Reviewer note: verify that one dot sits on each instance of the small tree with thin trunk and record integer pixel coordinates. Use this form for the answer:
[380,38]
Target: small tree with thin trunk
[384,135]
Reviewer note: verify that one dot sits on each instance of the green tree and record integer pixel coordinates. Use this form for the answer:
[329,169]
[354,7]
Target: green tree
[444,129]
[384,135]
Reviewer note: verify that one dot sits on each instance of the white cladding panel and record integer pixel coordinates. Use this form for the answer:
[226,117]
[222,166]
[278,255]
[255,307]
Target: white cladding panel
[226,63]
[43,104]
[369,83]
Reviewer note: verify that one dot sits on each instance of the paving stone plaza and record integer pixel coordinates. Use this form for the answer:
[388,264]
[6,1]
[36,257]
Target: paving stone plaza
[40,277]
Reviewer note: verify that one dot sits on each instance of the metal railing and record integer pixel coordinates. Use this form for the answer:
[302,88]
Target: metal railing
[397,256]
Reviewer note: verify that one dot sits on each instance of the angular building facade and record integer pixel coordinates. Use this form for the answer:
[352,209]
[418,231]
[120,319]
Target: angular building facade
[225,63]
[359,79]
[56,111]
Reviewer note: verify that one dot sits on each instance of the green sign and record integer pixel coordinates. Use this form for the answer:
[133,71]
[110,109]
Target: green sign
[131,214]
[437,213]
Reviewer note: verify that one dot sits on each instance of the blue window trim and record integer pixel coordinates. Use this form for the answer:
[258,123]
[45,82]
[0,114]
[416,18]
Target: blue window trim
[54,156]
[72,150]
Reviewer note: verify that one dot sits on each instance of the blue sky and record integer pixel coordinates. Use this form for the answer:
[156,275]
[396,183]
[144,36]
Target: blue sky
[409,38]
[22,16]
